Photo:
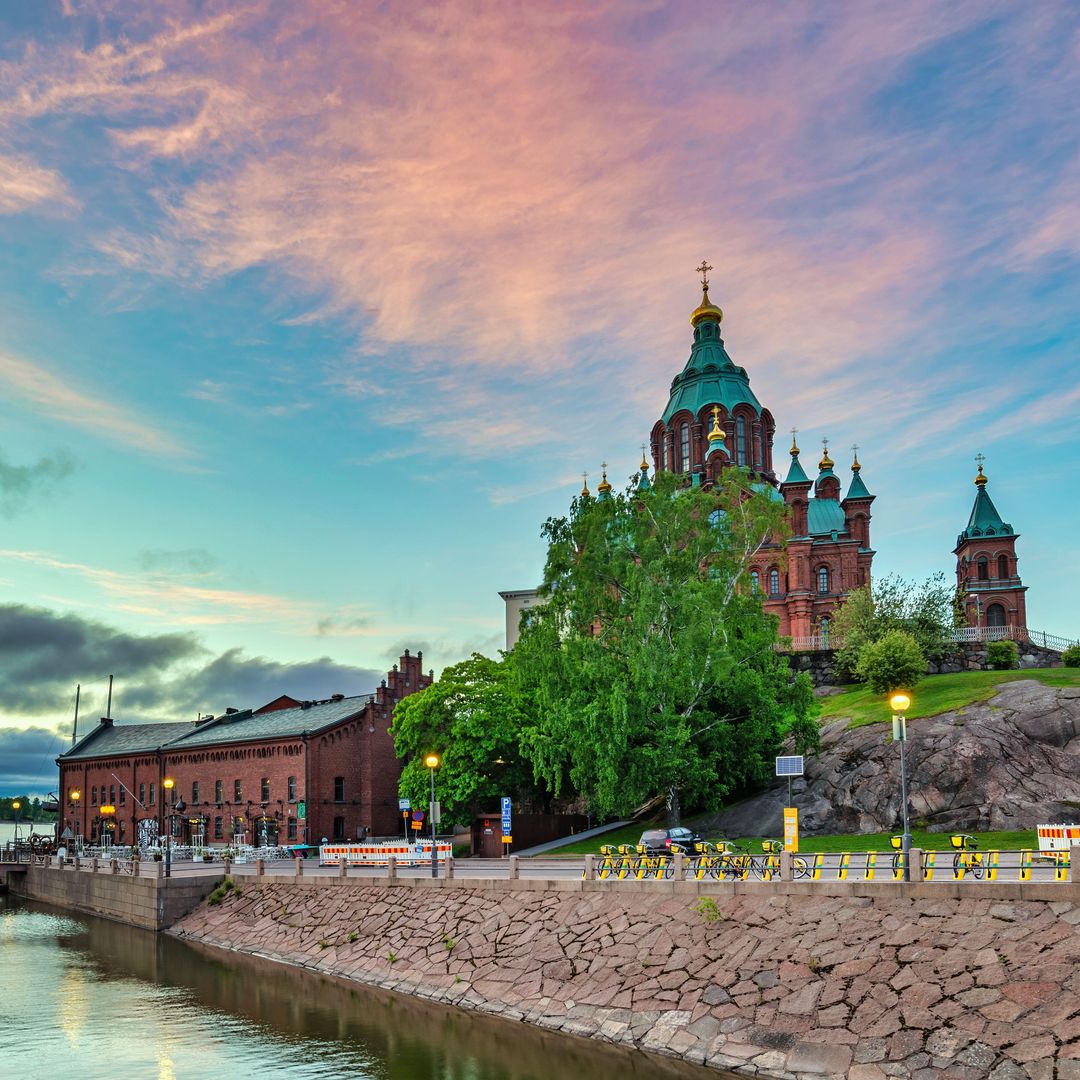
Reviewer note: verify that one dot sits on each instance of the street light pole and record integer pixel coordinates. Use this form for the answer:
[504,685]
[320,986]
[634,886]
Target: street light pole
[16,806]
[432,762]
[900,703]
[76,794]
[168,784]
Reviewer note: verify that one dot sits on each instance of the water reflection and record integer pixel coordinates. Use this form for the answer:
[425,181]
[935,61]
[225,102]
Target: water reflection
[127,1002]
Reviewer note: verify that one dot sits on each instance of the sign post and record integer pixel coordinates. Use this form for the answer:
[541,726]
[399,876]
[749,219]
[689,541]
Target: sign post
[404,806]
[507,836]
[791,828]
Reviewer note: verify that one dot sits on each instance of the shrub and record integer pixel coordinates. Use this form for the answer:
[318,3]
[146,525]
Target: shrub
[893,662]
[1071,656]
[1003,655]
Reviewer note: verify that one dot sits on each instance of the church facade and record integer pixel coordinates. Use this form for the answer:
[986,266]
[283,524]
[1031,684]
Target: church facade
[713,420]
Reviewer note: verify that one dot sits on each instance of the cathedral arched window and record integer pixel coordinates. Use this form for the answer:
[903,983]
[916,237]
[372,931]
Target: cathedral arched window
[823,630]
[755,580]
[982,568]
[740,440]
[995,615]
[1003,566]
[823,580]
[684,436]
[774,582]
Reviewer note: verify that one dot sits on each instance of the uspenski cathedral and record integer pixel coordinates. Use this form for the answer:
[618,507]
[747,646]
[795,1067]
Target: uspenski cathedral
[714,420]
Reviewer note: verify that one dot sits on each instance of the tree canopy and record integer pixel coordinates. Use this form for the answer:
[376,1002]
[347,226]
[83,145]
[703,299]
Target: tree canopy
[471,719]
[649,665]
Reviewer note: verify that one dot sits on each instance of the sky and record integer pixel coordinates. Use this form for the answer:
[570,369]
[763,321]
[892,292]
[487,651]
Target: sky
[311,313]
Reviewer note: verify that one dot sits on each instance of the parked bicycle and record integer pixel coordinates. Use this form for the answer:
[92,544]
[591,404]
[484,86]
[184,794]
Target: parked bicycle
[800,868]
[967,860]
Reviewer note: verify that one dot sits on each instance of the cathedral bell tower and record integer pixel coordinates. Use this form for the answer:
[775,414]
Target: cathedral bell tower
[987,577]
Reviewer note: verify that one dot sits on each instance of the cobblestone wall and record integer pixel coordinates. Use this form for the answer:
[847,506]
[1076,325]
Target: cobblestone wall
[766,981]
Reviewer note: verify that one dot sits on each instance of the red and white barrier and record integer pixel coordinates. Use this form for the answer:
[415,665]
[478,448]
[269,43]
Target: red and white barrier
[1055,840]
[379,854]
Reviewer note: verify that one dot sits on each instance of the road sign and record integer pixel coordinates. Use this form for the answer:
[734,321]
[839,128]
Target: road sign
[418,825]
[505,814]
[791,828]
[404,804]
[436,812]
[789,766]
[507,838]
[418,815]
[301,810]
[899,728]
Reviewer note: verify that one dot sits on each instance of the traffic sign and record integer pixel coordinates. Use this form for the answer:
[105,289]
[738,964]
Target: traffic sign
[418,825]
[418,815]
[404,804]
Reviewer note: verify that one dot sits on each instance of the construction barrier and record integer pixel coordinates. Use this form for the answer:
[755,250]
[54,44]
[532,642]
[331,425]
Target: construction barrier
[1055,840]
[379,854]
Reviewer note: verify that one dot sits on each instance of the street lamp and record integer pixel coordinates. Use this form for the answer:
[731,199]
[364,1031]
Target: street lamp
[75,796]
[16,806]
[900,702]
[432,762]
[168,784]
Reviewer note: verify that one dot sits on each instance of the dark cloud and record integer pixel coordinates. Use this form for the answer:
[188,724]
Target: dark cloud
[28,759]
[20,482]
[193,560]
[340,626]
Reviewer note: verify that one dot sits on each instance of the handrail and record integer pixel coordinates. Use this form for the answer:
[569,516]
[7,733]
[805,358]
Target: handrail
[961,635]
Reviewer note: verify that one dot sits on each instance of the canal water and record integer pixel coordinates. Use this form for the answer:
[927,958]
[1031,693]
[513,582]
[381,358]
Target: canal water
[88,998]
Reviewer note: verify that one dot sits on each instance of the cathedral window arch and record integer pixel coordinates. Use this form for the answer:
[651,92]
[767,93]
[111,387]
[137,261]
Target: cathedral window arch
[755,581]
[774,582]
[740,440]
[982,568]
[995,615]
[823,631]
[684,446]
[823,580]
[1003,566]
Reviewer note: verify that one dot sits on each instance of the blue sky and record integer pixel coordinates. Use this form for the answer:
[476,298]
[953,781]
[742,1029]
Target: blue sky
[311,314]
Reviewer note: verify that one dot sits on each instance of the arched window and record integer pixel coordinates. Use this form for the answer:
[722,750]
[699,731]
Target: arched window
[663,450]
[684,437]
[823,580]
[774,582]
[755,580]
[93,795]
[740,439]
[983,568]
[1003,566]
[995,615]
[823,630]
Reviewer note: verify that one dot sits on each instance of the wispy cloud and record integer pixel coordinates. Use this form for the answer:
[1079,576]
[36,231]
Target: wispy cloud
[57,398]
[25,185]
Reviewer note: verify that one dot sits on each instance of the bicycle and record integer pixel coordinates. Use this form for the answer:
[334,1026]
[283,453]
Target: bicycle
[967,860]
[656,866]
[707,857]
[799,866]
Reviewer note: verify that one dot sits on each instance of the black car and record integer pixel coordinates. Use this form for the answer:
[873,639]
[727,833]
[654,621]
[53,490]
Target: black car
[659,841]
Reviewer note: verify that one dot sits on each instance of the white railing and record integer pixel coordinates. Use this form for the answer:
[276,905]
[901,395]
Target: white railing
[962,634]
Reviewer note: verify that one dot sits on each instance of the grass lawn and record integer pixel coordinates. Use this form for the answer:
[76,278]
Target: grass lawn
[936,694]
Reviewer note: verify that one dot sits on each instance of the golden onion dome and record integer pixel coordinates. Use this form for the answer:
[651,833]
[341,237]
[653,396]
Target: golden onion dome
[706,310]
[826,462]
[603,487]
[855,466]
[794,446]
[584,484]
[981,478]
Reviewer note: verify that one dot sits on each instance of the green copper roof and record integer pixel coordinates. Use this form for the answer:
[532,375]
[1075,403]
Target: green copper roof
[709,378]
[824,516]
[985,520]
[796,475]
[857,490]
[769,490]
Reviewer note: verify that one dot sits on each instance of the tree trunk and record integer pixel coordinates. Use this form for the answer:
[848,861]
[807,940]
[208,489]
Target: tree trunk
[674,807]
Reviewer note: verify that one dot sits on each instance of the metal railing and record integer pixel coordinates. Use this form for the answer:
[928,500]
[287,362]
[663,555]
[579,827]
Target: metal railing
[961,635]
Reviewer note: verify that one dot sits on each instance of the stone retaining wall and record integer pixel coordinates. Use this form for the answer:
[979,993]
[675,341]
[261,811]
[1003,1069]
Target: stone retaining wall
[768,980]
[149,902]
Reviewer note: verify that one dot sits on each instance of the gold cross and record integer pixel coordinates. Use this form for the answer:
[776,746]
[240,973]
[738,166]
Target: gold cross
[979,459]
[825,444]
[703,270]
[855,449]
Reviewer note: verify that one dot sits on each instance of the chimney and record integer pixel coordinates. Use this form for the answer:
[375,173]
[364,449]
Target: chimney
[106,721]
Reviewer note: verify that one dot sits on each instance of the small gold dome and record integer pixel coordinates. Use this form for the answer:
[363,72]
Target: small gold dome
[584,484]
[716,434]
[826,462]
[603,487]
[644,464]
[794,446]
[981,479]
[706,310]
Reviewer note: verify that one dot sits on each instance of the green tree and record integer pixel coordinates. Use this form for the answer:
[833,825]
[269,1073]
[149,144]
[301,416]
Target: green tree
[893,662]
[649,664]
[471,719]
[925,611]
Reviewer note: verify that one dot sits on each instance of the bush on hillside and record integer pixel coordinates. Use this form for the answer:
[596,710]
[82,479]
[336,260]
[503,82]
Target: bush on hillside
[1071,656]
[893,662]
[1003,655]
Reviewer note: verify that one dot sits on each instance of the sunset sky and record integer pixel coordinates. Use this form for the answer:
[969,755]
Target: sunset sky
[312,312]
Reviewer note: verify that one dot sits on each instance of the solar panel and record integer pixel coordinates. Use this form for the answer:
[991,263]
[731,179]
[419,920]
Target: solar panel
[789,766]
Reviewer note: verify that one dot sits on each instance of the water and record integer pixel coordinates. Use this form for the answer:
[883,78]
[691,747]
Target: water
[90,998]
[7,829]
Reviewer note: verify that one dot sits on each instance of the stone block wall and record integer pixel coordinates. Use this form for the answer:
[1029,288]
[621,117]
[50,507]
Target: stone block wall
[149,902]
[766,980]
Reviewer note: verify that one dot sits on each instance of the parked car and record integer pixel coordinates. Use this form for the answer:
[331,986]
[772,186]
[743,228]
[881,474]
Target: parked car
[659,841]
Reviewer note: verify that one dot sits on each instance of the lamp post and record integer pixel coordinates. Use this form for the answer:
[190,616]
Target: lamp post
[16,806]
[900,702]
[75,796]
[432,762]
[168,784]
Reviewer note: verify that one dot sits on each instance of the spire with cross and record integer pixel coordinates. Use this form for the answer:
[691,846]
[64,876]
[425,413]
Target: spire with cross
[703,270]
[980,477]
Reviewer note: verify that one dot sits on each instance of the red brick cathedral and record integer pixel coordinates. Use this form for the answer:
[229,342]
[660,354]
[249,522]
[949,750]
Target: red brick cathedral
[713,420]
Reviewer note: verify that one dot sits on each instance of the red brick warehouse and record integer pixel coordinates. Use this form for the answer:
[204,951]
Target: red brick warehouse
[289,772]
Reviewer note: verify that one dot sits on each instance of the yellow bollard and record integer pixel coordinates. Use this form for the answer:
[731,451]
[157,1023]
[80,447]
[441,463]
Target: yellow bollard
[1025,865]
[871,865]
[845,859]
[819,861]
[993,858]
[928,865]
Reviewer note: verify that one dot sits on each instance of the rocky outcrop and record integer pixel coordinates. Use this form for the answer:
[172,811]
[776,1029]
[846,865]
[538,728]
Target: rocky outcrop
[1008,763]
[765,980]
